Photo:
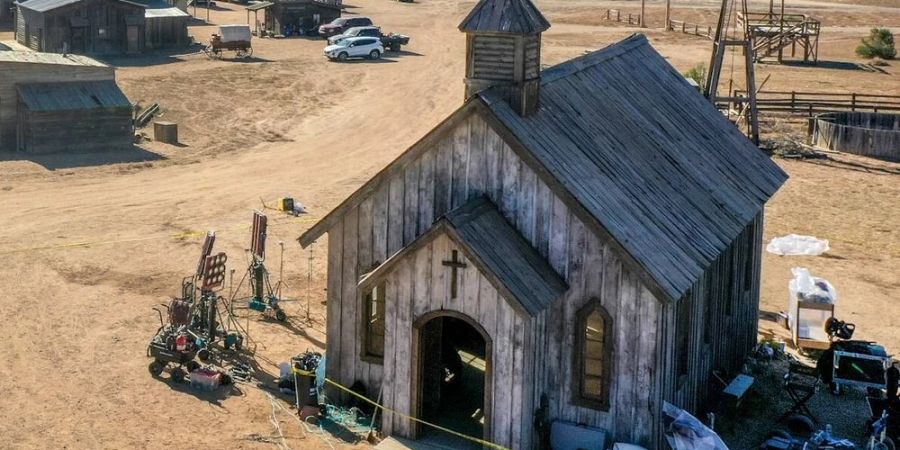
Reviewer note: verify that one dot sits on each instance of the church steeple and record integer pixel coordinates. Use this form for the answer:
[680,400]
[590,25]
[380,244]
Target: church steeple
[503,50]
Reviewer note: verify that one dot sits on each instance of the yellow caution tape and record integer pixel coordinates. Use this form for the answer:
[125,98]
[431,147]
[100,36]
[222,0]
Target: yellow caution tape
[392,411]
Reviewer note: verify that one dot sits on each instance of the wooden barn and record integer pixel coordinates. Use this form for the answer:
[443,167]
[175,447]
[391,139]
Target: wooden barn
[571,246]
[98,27]
[51,102]
[291,15]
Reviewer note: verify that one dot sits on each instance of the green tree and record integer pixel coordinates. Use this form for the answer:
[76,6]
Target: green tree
[697,73]
[879,44]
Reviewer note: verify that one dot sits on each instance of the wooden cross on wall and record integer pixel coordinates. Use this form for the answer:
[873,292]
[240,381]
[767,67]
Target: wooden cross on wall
[454,263]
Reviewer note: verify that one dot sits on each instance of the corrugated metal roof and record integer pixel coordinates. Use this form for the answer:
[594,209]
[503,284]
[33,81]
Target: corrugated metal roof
[151,13]
[505,16]
[258,6]
[48,58]
[72,96]
[49,5]
[647,156]
[46,5]
[506,255]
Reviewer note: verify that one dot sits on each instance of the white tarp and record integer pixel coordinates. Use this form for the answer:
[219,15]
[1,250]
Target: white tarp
[234,33]
[795,245]
[685,432]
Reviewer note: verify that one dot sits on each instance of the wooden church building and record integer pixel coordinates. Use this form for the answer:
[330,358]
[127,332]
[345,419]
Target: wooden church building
[574,245]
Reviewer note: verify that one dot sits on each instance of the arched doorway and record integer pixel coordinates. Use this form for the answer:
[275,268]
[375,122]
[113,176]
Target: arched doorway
[452,378]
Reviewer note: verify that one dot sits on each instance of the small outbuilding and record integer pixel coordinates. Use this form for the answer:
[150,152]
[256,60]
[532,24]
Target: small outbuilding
[72,117]
[569,250]
[292,17]
[51,102]
[99,27]
[166,25]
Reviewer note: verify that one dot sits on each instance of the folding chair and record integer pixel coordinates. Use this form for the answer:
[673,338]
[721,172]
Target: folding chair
[801,383]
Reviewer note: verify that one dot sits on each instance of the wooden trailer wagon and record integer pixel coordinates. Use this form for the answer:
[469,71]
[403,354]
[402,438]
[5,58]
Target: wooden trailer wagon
[235,38]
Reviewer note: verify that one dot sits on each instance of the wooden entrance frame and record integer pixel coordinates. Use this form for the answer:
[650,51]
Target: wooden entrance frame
[417,368]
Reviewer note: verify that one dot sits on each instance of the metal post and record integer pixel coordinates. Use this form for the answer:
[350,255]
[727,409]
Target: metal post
[309,284]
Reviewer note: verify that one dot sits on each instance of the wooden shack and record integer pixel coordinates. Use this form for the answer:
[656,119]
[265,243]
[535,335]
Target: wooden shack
[165,25]
[576,245]
[35,116]
[72,117]
[97,27]
[283,17]
[33,67]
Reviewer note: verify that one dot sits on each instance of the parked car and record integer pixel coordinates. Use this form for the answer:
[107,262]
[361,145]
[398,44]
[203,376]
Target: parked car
[369,31]
[390,41]
[393,41]
[341,24]
[355,47]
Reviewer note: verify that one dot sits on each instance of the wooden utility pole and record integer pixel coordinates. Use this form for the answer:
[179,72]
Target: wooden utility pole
[668,14]
[720,42]
[643,13]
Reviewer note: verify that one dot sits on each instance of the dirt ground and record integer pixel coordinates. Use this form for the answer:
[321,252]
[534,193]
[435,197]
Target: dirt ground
[92,242]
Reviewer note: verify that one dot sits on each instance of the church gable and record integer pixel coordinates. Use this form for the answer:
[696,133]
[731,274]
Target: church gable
[500,254]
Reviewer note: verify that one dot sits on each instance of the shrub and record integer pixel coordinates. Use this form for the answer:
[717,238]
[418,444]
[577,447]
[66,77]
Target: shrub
[697,73]
[879,44]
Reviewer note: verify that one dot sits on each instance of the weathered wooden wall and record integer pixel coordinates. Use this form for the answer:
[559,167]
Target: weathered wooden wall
[6,14]
[299,12]
[876,135]
[99,129]
[420,285]
[51,31]
[23,72]
[28,28]
[723,308]
[165,32]
[470,161]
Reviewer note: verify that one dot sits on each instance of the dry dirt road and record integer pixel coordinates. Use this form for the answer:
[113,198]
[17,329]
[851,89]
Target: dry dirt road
[77,319]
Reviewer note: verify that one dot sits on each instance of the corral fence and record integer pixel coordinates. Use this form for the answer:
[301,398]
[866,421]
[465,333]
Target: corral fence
[876,135]
[618,16]
[808,104]
[690,28]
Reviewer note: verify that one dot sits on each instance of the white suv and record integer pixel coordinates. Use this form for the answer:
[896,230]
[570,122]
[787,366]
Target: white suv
[355,47]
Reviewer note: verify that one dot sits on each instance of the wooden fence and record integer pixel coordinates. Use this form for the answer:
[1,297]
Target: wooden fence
[617,16]
[690,28]
[808,104]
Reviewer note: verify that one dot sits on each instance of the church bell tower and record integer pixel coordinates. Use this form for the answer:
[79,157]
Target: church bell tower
[503,51]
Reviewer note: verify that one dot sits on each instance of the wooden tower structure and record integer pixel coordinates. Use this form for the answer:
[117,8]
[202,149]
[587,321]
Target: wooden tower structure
[503,51]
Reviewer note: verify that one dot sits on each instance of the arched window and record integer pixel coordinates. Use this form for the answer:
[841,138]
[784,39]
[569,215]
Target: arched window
[593,356]
[373,325]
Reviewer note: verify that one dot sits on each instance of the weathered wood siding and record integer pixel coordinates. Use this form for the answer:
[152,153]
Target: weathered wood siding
[469,161]
[21,72]
[99,129]
[52,31]
[28,28]
[420,285]
[493,57]
[532,56]
[721,326]
[165,32]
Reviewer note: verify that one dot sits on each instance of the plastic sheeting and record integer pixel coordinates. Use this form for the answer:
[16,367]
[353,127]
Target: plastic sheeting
[685,432]
[797,245]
